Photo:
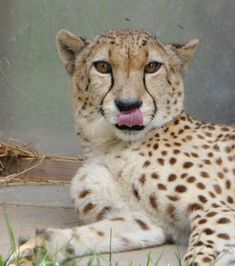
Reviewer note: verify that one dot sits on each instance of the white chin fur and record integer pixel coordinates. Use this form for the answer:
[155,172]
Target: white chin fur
[100,130]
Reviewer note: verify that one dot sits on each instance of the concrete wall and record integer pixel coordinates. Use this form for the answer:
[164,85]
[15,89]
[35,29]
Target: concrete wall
[35,90]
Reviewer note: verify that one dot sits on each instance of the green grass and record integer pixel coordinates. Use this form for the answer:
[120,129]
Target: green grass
[2,263]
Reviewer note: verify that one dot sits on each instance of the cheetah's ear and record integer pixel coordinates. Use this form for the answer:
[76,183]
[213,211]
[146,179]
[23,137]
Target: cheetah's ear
[185,52]
[68,46]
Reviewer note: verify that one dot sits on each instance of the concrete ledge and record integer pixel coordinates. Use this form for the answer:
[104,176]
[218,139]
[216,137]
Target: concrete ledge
[39,196]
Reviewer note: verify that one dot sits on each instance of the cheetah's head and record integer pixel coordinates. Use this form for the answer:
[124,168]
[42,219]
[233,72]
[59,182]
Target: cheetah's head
[127,79]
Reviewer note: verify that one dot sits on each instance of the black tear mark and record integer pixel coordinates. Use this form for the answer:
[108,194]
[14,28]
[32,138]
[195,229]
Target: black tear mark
[111,86]
[88,84]
[154,102]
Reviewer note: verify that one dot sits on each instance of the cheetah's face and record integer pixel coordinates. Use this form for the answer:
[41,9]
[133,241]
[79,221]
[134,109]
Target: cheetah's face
[131,79]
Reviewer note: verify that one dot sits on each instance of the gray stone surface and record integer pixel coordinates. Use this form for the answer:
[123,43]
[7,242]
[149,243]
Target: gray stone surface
[40,196]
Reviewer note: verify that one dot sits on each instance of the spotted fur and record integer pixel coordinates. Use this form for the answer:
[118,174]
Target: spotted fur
[172,180]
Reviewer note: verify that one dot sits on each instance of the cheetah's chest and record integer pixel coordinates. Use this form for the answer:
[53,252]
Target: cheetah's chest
[169,180]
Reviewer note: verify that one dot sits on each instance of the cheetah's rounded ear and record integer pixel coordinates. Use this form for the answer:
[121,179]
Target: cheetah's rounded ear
[68,46]
[185,52]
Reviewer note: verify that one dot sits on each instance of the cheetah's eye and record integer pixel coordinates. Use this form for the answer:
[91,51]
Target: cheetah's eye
[152,67]
[103,67]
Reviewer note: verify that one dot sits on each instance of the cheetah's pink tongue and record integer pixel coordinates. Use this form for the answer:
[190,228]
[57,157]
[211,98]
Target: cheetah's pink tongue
[131,118]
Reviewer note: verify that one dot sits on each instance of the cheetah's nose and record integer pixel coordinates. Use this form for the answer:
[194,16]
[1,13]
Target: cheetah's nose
[127,105]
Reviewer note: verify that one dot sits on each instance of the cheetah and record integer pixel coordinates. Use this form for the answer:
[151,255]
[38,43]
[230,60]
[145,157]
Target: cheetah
[151,172]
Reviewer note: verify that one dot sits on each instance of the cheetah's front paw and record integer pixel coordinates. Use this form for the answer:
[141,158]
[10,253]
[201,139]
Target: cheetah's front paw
[30,253]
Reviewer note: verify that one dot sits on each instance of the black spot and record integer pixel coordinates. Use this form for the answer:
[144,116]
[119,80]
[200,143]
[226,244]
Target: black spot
[144,42]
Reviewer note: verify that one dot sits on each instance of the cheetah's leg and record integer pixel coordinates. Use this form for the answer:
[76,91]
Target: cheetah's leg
[101,206]
[128,232]
[212,239]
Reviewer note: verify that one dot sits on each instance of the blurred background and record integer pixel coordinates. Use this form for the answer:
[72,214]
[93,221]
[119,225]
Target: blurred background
[35,90]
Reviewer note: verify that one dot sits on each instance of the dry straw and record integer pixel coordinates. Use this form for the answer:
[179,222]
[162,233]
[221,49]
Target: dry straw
[12,151]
